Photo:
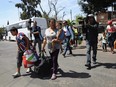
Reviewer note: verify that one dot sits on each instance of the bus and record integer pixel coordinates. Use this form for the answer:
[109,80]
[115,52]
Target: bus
[23,26]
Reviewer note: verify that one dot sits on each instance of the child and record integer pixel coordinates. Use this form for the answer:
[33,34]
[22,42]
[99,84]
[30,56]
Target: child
[60,32]
[104,42]
[23,44]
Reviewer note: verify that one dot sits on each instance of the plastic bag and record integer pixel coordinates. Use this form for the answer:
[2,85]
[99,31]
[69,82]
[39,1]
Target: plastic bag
[30,56]
[26,63]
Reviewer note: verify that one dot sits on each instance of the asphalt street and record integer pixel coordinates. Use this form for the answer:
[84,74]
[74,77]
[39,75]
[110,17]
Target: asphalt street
[71,73]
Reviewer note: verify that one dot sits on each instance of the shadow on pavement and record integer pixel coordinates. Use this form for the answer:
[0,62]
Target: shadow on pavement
[40,76]
[79,54]
[73,74]
[61,73]
[74,55]
[106,65]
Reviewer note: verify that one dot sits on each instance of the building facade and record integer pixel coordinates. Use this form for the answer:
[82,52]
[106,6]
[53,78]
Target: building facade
[103,17]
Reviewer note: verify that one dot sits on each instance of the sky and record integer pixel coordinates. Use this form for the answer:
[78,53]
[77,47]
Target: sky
[8,11]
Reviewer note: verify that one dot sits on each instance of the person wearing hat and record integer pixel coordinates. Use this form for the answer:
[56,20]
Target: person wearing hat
[111,34]
[91,37]
[23,44]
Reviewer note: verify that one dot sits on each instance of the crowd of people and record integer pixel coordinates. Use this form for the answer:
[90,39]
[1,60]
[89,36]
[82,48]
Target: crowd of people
[59,34]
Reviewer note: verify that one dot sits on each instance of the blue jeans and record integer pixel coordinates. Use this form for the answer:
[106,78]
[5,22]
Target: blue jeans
[67,45]
[90,46]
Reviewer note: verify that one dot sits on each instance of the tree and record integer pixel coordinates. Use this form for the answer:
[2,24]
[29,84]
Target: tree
[79,18]
[2,31]
[29,8]
[52,5]
[94,6]
[56,9]
[45,13]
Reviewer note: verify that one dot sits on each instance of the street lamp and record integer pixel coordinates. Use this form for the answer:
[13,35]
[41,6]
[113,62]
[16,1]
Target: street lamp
[10,1]
[71,14]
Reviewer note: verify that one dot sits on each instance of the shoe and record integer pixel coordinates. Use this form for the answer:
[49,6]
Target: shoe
[53,77]
[88,65]
[94,62]
[17,74]
[61,51]
[112,52]
[28,70]
[64,55]
[70,54]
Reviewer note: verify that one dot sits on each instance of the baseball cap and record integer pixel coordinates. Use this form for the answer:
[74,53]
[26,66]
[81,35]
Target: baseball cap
[109,22]
[90,15]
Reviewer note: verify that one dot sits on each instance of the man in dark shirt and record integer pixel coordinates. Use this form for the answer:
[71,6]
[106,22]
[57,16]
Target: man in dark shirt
[36,31]
[91,36]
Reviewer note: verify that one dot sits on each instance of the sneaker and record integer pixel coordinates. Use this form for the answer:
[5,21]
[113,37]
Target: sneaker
[53,77]
[61,51]
[17,74]
[88,65]
[28,70]
[64,55]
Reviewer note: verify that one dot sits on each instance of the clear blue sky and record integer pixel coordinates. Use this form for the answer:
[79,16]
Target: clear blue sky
[8,11]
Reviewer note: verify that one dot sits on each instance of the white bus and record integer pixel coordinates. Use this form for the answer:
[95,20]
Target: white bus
[22,26]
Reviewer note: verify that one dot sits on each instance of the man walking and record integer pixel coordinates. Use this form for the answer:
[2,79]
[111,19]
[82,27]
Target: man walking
[69,35]
[91,33]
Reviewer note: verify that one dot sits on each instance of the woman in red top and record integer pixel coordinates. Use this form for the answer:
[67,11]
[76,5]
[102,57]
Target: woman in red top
[111,30]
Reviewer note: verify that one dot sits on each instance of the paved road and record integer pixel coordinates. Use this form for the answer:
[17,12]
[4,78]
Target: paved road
[73,73]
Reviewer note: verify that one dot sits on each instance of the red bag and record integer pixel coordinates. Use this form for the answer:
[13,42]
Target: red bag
[26,63]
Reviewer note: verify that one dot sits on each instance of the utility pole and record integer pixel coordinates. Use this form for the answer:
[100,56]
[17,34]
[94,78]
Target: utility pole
[71,14]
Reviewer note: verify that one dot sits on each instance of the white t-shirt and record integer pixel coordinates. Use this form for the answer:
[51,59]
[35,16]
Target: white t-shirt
[50,36]
[68,31]
[103,39]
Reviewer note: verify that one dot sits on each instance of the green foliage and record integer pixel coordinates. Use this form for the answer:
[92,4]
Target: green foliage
[70,23]
[78,18]
[93,6]
[2,30]
[29,8]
